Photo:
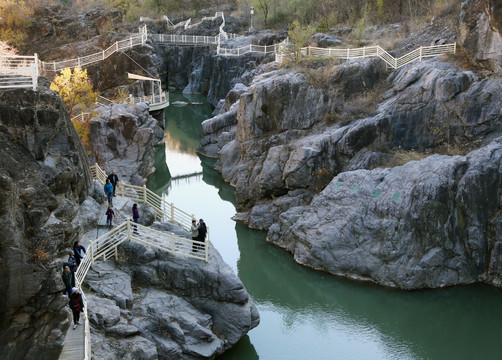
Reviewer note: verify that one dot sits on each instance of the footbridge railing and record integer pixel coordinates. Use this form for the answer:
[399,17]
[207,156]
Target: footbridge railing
[365,52]
[184,39]
[54,66]
[18,71]
[163,210]
[106,247]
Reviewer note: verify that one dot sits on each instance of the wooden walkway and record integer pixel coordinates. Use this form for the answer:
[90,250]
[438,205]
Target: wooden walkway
[74,344]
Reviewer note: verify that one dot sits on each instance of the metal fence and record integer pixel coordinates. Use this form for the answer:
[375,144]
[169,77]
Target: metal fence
[18,72]
[106,247]
[93,58]
[164,210]
[284,53]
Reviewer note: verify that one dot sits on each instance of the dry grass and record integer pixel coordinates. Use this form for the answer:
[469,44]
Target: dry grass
[364,103]
[403,157]
[320,77]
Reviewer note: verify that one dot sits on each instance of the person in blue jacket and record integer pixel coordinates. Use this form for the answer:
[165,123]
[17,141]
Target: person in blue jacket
[79,251]
[109,191]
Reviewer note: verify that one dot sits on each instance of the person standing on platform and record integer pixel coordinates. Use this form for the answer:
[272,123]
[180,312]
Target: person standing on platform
[194,229]
[114,179]
[202,232]
[135,217]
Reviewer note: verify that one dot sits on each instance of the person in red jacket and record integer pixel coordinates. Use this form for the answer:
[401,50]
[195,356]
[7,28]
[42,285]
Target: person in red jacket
[76,306]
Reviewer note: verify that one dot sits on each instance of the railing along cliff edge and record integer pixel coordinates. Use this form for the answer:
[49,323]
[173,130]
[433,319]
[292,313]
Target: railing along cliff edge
[140,194]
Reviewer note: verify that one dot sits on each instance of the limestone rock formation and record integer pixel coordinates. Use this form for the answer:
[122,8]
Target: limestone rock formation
[310,149]
[430,223]
[44,176]
[123,139]
[481,32]
[182,308]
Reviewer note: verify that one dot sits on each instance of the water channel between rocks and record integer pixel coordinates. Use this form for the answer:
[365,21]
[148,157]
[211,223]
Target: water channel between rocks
[312,315]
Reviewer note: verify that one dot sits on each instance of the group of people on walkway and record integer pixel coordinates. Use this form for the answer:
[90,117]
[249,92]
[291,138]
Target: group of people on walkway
[69,268]
[199,233]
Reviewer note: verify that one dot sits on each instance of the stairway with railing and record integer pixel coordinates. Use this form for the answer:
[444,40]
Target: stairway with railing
[18,71]
[163,209]
[283,53]
[106,247]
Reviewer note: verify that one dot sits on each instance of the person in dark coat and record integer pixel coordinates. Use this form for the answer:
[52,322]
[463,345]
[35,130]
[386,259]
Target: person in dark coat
[202,232]
[114,179]
[135,217]
[67,280]
[76,306]
[79,251]
[72,264]
[110,214]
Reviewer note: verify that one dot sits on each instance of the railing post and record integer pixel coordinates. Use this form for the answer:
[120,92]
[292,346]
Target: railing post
[364,52]
[206,247]
[35,73]
[348,53]
[144,194]
[420,53]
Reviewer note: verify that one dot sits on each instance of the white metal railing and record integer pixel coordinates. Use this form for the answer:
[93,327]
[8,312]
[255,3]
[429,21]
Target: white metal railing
[262,49]
[163,209]
[106,246]
[87,330]
[18,71]
[184,39]
[132,41]
[371,51]
[102,101]
[80,117]
[152,100]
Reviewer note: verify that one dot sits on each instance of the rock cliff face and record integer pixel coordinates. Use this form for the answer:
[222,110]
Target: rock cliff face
[214,75]
[123,138]
[481,32]
[167,307]
[44,175]
[319,167]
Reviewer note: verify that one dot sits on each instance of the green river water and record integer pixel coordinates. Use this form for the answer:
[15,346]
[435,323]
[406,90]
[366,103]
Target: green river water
[312,315]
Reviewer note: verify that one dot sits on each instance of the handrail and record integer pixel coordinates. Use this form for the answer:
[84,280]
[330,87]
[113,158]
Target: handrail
[18,71]
[140,194]
[371,51]
[128,43]
[106,246]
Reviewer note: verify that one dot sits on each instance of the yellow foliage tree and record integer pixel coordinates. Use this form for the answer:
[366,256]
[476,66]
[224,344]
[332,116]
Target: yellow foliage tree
[75,89]
[299,36]
[15,18]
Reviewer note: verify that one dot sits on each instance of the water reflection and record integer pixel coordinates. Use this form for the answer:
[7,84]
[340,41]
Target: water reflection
[454,323]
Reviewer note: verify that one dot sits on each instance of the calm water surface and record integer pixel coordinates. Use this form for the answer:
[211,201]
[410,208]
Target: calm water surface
[311,315]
